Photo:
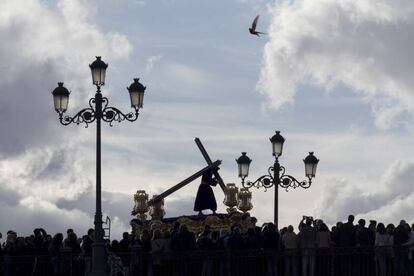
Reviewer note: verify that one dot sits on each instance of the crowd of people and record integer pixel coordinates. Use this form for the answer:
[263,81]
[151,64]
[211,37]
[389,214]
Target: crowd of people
[312,250]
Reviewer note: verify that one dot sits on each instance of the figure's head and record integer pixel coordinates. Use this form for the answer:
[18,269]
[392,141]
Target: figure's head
[323,228]
[183,229]
[37,232]
[361,222]
[236,230]
[207,176]
[157,234]
[250,232]
[176,225]
[381,228]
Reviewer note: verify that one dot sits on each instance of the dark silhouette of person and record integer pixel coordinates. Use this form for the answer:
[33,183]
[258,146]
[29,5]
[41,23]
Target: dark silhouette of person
[204,241]
[39,236]
[68,231]
[54,252]
[217,242]
[347,233]
[124,246]
[145,240]
[363,234]
[271,239]
[307,243]
[235,241]
[72,242]
[251,241]
[205,197]
[174,235]
[364,240]
[372,227]
[185,239]
[124,243]
[347,240]
[401,236]
[88,241]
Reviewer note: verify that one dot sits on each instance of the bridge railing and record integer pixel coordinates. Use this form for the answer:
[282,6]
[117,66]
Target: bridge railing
[355,261]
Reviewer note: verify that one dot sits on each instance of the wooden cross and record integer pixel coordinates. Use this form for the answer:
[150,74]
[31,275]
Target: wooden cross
[210,165]
[183,183]
[208,160]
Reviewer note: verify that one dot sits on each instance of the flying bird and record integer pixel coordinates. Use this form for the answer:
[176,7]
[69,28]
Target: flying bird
[252,29]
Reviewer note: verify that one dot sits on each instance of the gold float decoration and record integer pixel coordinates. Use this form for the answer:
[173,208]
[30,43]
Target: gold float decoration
[157,211]
[141,205]
[216,223]
[245,200]
[231,197]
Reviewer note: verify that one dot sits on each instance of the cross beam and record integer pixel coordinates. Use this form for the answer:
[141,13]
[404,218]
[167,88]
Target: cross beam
[208,160]
[183,183]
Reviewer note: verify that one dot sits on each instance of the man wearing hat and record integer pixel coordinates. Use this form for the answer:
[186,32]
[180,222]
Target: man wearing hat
[205,197]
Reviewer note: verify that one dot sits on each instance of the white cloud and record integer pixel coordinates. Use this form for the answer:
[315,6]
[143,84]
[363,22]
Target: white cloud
[151,62]
[362,44]
[386,198]
[43,43]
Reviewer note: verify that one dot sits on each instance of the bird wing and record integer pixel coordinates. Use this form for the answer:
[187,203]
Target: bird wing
[254,24]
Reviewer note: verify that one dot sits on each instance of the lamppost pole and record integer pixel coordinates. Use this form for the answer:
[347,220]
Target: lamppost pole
[276,174]
[100,111]
[276,182]
[98,247]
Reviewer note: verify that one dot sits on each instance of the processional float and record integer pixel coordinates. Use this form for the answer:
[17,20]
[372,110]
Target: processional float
[234,199]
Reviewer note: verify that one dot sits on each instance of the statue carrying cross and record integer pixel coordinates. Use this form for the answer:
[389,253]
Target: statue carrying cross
[205,196]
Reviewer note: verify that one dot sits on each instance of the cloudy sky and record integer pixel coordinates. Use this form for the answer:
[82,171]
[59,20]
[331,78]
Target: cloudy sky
[334,77]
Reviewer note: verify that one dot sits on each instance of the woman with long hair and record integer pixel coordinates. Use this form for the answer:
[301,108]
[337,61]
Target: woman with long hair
[382,244]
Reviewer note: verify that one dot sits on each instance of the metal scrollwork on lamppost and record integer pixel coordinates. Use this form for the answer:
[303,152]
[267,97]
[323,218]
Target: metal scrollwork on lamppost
[98,111]
[277,174]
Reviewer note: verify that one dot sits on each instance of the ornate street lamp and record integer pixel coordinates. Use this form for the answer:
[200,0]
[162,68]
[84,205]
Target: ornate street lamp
[276,174]
[61,98]
[98,111]
[243,163]
[277,141]
[136,93]
[98,70]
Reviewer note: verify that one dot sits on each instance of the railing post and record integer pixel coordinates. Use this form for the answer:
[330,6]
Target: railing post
[136,261]
[66,262]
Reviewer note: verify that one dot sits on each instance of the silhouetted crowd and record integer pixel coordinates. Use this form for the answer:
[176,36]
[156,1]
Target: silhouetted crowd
[345,249]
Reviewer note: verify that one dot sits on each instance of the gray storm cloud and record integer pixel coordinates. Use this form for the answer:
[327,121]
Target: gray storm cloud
[37,52]
[43,43]
[366,45]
